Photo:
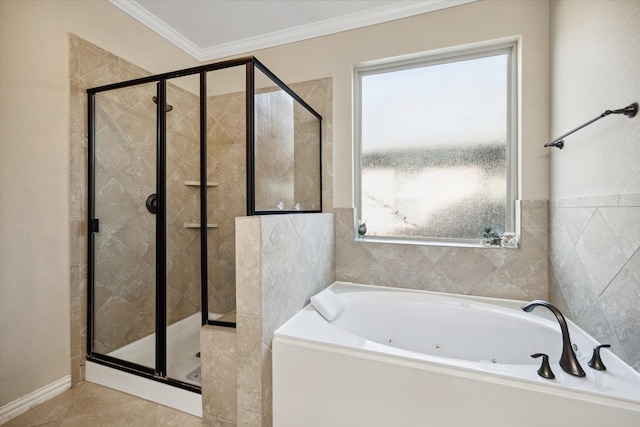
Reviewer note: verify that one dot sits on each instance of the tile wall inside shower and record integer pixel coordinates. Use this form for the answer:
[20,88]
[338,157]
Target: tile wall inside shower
[125,177]
[125,246]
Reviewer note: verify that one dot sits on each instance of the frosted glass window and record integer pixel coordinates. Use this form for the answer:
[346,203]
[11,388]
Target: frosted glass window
[435,147]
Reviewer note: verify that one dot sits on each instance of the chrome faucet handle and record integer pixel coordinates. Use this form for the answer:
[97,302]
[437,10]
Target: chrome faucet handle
[596,361]
[545,370]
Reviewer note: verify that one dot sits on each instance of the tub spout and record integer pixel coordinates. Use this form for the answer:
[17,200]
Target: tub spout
[568,360]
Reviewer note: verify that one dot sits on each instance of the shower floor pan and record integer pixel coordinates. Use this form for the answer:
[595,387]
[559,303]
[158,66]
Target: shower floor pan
[183,364]
[183,343]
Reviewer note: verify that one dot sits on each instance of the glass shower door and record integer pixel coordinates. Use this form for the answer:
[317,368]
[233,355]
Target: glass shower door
[183,230]
[124,269]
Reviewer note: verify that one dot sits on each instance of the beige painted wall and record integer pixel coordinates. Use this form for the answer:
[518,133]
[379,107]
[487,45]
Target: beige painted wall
[34,173]
[334,56]
[34,138]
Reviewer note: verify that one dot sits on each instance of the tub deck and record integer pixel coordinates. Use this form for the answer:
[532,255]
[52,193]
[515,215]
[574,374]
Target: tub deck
[326,374]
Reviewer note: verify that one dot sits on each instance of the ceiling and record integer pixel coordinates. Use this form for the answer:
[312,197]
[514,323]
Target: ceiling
[212,29]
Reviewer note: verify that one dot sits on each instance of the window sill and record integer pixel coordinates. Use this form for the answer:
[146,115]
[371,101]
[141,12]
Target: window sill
[459,243]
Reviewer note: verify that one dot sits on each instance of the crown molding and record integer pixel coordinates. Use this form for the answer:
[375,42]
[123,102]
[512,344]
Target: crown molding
[378,15]
[142,15]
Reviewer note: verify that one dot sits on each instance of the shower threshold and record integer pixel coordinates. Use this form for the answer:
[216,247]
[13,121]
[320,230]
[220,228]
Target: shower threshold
[161,393]
[183,364]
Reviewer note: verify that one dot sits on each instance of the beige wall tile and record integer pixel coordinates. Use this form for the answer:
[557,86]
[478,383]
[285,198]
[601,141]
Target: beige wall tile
[248,244]
[219,373]
[249,362]
[504,273]
[597,284]
[284,288]
[249,419]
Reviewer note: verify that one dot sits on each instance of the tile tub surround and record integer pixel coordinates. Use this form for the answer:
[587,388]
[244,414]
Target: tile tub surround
[282,261]
[595,268]
[502,273]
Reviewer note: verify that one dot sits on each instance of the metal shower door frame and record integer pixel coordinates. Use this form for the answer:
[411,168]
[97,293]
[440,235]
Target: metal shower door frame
[160,368]
[159,372]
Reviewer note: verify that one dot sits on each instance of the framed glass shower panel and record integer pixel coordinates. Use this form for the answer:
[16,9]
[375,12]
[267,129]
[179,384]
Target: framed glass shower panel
[124,181]
[226,174]
[172,165]
[287,158]
[183,229]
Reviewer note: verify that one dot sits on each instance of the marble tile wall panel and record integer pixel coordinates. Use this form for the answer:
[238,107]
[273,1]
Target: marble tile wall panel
[272,290]
[219,384]
[248,249]
[297,262]
[595,268]
[494,272]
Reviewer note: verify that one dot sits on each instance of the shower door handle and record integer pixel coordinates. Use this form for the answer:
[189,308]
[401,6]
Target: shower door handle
[152,203]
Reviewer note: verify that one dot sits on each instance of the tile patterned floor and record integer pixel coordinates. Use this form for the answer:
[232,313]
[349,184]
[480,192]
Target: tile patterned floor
[93,405]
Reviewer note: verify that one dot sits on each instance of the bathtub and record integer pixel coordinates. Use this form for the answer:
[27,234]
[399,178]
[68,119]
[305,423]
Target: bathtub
[399,357]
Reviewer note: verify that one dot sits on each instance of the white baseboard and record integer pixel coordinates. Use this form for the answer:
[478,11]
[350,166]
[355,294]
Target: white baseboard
[23,404]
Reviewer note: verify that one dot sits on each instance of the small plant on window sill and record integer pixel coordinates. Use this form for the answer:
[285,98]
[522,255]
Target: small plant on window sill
[506,240]
[491,238]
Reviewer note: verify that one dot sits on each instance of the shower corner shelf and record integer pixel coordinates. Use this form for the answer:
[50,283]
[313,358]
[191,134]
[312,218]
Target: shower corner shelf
[197,183]
[197,225]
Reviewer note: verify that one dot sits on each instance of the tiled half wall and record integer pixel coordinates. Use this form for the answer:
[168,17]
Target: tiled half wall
[595,268]
[282,260]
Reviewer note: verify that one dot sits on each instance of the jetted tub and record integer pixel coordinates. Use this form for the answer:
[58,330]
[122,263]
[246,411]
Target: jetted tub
[397,357]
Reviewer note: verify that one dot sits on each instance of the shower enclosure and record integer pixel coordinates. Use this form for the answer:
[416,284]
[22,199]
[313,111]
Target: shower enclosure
[173,160]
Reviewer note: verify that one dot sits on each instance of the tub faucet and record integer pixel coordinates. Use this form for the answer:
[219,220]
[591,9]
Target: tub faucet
[568,360]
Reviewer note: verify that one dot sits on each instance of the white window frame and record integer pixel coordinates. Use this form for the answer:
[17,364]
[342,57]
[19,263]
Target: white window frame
[441,56]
